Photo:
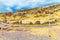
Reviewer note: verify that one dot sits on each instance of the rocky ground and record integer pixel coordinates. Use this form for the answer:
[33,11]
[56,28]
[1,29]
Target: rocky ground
[26,35]
[23,36]
[35,33]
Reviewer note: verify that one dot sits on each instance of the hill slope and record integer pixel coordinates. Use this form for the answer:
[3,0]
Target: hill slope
[33,16]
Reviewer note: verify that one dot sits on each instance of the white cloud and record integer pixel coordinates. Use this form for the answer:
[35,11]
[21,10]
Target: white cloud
[18,4]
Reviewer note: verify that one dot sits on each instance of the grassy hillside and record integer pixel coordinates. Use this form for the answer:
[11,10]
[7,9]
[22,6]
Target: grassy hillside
[33,16]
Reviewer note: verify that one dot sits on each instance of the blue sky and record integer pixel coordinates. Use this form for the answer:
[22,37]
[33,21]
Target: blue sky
[13,5]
